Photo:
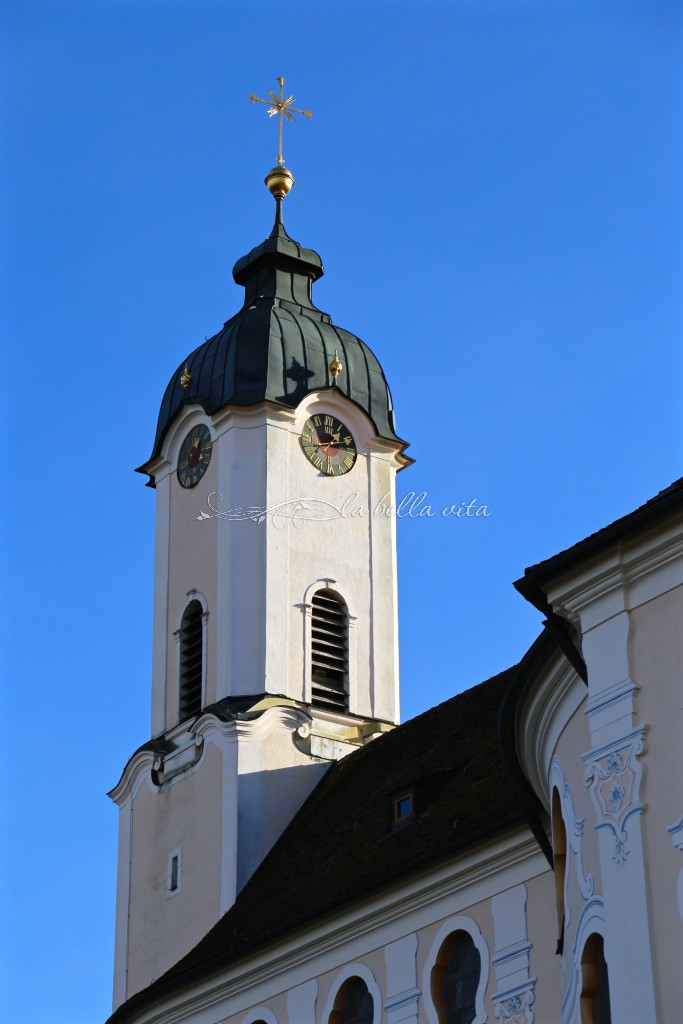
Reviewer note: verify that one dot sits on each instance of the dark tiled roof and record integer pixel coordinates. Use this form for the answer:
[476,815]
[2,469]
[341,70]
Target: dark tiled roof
[664,504]
[341,846]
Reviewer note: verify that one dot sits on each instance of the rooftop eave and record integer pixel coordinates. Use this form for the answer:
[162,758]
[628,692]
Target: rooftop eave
[152,468]
[396,446]
[537,579]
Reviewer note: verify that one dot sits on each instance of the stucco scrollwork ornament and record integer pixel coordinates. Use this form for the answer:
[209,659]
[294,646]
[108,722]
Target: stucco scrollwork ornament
[613,776]
[516,1009]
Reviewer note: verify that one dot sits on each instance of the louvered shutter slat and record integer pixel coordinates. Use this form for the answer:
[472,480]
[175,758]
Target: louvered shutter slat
[191,660]
[329,652]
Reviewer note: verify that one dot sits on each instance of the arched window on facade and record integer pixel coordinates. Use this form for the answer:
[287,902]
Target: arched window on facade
[191,661]
[353,1004]
[559,862]
[455,979]
[595,1007]
[330,651]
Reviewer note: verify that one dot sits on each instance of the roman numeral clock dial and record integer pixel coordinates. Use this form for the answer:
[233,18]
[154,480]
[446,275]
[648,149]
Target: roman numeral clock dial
[328,445]
[194,457]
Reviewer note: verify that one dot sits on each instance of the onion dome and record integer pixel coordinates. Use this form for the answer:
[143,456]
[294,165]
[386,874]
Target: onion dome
[279,347]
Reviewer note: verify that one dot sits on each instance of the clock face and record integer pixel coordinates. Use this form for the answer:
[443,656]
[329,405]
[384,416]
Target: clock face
[328,445]
[195,455]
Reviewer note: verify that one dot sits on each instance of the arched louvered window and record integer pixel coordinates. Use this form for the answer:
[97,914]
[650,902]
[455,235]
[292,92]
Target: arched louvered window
[330,651]
[191,661]
[353,1004]
[455,979]
[595,1005]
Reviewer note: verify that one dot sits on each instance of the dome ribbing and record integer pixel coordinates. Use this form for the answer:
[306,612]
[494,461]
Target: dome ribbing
[279,346]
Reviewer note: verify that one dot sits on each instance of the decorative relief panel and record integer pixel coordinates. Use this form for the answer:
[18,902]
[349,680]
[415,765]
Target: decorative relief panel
[613,775]
[516,1009]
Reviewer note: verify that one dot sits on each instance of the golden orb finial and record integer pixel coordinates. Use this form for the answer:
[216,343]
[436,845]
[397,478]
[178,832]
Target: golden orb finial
[336,366]
[186,378]
[279,180]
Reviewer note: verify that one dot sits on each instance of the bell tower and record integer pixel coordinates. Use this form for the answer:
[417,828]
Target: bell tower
[275,646]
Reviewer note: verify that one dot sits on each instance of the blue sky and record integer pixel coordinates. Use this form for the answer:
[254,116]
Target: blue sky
[495,190]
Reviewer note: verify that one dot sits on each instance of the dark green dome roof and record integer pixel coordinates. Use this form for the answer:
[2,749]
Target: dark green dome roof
[279,346]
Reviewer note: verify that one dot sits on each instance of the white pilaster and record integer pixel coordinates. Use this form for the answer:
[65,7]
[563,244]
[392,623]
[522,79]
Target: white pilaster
[160,628]
[613,774]
[122,905]
[403,995]
[301,1003]
[514,994]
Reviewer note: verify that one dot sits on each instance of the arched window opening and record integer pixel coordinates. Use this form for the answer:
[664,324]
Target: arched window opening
[595,1005]
[559,863]
[354,1004]
[330,651]
[191,659]
[455,979]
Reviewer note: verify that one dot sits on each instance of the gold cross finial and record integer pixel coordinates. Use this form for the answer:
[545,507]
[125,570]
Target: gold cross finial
[282,108]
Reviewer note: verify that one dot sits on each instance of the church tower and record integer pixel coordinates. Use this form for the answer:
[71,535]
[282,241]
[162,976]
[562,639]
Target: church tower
[275,646]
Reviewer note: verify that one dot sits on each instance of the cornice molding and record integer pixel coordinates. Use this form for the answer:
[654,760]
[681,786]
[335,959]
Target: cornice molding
[248,416]
[134,774]
[291,718]
[208,728]
[676,833]
[621,580]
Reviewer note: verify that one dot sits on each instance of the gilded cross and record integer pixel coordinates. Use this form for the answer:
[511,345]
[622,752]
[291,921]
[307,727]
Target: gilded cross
[282,108]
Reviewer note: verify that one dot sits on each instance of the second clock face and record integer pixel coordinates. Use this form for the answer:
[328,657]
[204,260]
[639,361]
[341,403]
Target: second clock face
[328,444]
[195,453]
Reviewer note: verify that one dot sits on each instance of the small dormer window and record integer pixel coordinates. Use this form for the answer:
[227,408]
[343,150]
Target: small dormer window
[330,651]
[191,661]
[403,807]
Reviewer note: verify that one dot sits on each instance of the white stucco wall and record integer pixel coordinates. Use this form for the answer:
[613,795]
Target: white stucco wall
[162,928]
[254,575]
[221,814]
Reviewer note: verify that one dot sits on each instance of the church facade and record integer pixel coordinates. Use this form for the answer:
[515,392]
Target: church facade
[288,853]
